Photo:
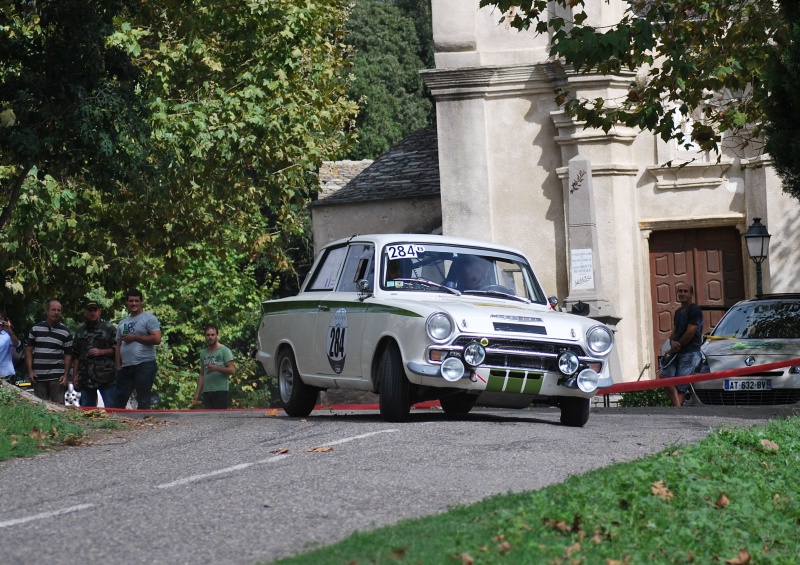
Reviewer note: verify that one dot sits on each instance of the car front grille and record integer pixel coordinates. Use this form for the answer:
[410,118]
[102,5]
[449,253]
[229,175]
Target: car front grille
[531,355]
[748,397]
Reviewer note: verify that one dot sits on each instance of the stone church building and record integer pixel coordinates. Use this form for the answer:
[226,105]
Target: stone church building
[609,227]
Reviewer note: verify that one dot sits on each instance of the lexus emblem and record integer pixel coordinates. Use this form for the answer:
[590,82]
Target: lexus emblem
[750,361]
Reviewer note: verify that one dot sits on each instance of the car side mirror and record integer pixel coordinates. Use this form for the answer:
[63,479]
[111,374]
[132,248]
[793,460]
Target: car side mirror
[553,301]
[364,288]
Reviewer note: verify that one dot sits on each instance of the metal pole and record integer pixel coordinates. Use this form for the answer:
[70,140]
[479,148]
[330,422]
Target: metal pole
[759,292]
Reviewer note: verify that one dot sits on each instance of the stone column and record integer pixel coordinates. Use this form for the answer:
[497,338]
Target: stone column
[586,295]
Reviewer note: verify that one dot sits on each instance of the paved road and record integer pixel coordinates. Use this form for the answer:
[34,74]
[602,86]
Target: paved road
[202,488]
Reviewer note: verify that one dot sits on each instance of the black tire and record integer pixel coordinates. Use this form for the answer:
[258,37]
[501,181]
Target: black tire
[574,411]
[459,403]
[298,398]
[394,393]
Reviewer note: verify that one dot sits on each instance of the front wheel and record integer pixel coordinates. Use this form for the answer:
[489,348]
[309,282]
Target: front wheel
[298,398]
[574,410]
[458,403]
[394,394]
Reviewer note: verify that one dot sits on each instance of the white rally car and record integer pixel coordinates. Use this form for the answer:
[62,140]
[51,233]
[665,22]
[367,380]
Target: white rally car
[427,317]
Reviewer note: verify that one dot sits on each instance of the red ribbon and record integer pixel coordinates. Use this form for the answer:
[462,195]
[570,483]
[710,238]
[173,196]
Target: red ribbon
[699,377]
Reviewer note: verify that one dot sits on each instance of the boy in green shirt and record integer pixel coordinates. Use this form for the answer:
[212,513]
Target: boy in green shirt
[216,367]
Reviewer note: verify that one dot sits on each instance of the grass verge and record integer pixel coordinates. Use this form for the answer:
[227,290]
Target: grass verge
[731,499]
[27,428]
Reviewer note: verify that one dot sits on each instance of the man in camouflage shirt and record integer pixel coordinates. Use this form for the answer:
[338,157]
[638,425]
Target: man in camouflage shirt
[93,367]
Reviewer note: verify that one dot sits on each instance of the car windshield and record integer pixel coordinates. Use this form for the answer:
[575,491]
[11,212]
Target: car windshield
[774,319]
[416,267]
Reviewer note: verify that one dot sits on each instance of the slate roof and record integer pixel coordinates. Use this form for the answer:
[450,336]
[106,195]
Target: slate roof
[410,169]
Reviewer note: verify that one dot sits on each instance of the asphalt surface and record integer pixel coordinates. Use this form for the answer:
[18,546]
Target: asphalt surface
[245,487]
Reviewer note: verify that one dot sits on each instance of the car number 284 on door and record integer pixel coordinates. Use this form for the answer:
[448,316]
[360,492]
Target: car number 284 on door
[337,341]
[750,384]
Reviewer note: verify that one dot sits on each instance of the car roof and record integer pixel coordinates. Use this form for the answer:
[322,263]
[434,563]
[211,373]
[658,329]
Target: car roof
[386,238]
[776,296]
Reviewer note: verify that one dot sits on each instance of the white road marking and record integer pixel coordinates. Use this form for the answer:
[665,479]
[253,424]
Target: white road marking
[239,467]
[193,478]
[187,480]
[362,436]
[45,515]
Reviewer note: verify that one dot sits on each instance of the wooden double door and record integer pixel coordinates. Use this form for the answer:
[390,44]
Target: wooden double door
[710,259]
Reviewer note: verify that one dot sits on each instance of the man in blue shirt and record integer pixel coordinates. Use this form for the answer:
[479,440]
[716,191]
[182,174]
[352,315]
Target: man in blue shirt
[685,342]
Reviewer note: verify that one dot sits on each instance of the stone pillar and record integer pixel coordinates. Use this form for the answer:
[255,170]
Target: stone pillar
[586,295]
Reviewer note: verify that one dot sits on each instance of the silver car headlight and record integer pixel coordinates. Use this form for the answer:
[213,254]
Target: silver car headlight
[588,380]
[599,339]
[439,326]
[474,354]
[568,363]
[452,369]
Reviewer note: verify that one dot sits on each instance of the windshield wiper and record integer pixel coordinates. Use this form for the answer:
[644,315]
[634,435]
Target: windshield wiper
[427,282]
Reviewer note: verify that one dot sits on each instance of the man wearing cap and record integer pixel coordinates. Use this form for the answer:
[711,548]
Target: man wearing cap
[93,366]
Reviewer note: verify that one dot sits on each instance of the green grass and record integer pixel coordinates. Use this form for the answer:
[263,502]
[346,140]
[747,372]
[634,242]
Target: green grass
[29,428]
[732,498]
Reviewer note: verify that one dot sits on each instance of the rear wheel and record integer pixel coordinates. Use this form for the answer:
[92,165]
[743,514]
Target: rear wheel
[394,393]
[298,398]
[459,403]
[574,410]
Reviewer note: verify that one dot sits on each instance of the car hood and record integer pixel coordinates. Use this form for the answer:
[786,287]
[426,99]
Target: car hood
[764,350]
[492,316]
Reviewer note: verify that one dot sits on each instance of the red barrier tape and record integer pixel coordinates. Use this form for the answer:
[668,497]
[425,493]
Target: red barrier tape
[613,389]
[696,378]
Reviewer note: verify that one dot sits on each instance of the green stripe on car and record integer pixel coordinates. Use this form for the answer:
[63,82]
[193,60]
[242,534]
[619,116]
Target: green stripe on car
[525,382]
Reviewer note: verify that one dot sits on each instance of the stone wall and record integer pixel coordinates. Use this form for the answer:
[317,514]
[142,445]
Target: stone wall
[333,175]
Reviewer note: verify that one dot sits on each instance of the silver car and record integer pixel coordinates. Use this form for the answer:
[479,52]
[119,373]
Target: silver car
[426,317]
[754,332]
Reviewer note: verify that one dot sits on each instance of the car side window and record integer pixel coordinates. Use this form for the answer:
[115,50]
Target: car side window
[357,266]
[327,274]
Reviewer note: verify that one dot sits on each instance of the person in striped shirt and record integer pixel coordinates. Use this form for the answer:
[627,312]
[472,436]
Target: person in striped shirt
[48,355]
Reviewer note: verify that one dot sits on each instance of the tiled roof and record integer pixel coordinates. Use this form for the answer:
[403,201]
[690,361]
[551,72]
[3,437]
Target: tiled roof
[410,169]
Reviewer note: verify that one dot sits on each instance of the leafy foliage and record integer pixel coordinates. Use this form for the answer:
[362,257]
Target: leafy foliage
[387,58]
[782,111]
[201,200]
[68,99]
[644,398]
[690,62]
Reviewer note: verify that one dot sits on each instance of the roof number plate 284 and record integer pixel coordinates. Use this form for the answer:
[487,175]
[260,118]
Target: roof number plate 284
[403,251]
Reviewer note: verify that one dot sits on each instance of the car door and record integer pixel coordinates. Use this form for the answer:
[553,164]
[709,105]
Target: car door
[340,318]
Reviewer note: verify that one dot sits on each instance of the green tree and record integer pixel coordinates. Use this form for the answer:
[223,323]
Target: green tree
[694,59]
[68,105]
[242,101]
[782,111]
[419,11]
[386,81]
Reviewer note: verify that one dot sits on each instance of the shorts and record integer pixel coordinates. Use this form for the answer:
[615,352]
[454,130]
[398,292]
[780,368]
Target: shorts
[683,364]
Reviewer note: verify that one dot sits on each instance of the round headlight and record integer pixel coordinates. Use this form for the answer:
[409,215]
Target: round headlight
[474,354]
[599,339]
[587,380]
[568,363]
[439,326]
[452,369]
